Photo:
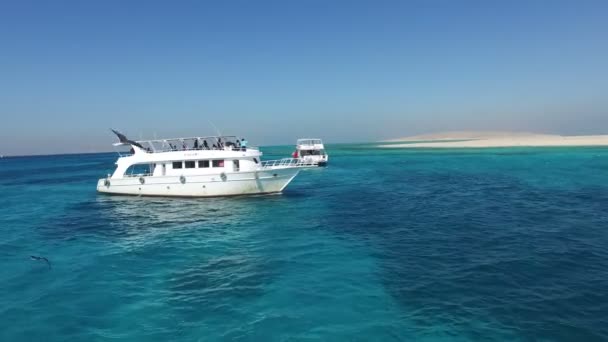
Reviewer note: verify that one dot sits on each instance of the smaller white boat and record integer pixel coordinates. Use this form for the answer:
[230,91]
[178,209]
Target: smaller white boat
[311,151]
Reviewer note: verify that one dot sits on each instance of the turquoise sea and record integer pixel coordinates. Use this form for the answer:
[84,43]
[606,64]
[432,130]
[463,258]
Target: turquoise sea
[382,245]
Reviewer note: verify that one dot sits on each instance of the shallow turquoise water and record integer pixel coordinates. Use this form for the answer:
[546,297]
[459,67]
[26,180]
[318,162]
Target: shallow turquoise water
[426,245]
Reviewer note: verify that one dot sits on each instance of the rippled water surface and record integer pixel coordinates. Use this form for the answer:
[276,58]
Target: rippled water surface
[501,244]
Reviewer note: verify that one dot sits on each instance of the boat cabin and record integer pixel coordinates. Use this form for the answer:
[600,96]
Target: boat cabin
[186,156]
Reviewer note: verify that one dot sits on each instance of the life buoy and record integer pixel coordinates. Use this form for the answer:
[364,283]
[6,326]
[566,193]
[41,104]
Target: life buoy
[182,179]
[223,176]
[142,180]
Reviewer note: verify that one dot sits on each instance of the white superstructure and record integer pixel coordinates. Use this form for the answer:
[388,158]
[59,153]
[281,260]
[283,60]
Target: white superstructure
[311,151]
[197,167]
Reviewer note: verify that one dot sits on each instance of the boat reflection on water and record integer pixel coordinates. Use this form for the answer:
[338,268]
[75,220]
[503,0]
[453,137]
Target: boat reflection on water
[191,253]
[142,219]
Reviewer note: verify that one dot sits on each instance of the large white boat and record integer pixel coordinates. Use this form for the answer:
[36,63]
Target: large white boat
[197,167]
[311,151]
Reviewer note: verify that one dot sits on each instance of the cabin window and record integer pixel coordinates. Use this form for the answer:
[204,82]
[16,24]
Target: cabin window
[203,163]
[235,164]
[190,164]
[311,152]
[218,163]
[255,160]
[139,169]
[177,165]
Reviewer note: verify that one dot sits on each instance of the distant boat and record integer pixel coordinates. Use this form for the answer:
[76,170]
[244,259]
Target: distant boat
[311,151]
[189,167]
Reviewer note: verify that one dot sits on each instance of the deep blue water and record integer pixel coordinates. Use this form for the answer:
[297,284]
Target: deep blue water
[425,245]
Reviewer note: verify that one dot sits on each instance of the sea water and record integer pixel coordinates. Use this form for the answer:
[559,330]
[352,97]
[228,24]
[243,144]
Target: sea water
[382,245]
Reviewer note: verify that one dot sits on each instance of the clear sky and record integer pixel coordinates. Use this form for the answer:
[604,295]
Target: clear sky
[275,71]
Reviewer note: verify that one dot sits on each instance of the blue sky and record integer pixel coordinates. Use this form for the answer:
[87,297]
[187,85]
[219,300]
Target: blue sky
[273,71]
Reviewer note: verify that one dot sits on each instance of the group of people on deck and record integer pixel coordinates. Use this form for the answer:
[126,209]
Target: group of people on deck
[239,145]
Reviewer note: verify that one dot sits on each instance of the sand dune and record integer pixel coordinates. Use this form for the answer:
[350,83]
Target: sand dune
[470,135]
[497,139]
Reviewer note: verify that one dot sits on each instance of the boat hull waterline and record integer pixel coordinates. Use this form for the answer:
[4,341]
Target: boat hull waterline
[214,185]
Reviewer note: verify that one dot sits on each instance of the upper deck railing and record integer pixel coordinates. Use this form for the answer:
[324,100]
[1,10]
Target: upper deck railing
[209,143]
[286,162]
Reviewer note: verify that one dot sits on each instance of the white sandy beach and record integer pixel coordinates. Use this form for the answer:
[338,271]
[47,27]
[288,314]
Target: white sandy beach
[496,139]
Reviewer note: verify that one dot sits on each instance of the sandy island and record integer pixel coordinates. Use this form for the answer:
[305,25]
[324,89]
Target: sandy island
[496,139]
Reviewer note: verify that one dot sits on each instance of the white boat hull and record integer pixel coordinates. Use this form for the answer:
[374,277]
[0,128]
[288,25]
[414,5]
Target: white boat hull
[213,185]
[315,160]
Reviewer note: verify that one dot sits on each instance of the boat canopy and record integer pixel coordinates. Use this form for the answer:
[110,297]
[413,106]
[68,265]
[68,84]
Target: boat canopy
[179,144]
[189,143]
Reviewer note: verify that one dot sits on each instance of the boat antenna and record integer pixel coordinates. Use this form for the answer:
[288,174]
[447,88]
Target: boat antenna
[219,134]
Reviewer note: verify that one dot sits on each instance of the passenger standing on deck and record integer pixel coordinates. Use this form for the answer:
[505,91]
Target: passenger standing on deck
[205,145]
[244,144]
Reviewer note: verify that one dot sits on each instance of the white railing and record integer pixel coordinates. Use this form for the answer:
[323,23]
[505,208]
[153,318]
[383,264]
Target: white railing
[217,143]
[286,162]
[190,148]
